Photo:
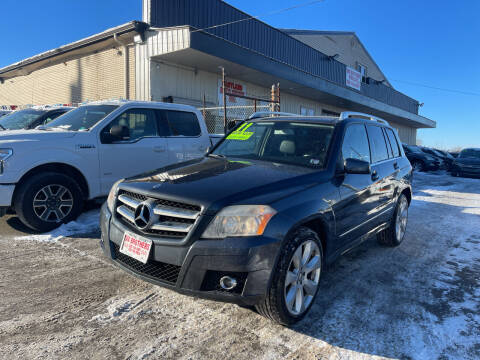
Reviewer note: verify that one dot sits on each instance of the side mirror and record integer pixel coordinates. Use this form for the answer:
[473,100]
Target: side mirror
[120,132]
[232,123]
[356,166]
[116,133]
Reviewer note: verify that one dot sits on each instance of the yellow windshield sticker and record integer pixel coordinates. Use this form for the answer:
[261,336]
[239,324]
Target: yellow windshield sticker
[241,133]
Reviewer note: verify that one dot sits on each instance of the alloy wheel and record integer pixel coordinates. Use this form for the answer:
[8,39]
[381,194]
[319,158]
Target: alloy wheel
[53,203]
[402,218]
[302,277]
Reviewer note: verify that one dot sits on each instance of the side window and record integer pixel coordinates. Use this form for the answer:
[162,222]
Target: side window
[182,123]
[377,143]
[139,123]
[393,142]
[51,117]
[355,143]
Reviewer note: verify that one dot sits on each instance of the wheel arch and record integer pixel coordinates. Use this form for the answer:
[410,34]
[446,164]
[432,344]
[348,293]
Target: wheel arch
[408,193]
[62,168]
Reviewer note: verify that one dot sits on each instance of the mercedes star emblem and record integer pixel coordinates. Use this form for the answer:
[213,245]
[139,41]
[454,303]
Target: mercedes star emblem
[143,215]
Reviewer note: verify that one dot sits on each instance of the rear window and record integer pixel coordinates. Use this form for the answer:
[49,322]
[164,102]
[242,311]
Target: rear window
[393,142]
[378,145]
[182,123]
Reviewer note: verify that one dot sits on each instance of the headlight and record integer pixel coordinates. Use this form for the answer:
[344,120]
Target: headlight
[240,220]
[4,155]
[112,195]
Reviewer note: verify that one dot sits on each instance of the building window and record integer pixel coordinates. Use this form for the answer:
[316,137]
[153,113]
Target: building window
[305,111]
[362,69]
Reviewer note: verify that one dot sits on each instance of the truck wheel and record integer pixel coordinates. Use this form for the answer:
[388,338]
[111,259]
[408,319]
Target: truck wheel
[295,279]
[393,236]
[46,200]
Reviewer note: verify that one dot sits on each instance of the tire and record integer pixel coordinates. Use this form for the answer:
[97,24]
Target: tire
[275,306]
[391,235]
[418,166]
[47,189]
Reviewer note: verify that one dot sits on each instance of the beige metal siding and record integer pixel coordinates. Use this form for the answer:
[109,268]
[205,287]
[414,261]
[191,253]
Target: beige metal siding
[408,135]
[92,77]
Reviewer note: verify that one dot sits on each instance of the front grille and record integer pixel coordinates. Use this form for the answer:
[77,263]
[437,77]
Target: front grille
[154,269]
[171,219]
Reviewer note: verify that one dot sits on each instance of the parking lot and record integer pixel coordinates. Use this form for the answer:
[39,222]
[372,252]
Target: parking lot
[62,299]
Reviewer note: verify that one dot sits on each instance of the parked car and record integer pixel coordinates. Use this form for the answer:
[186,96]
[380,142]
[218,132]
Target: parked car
[448,159]
[256,220]
[31,118]
[4,112]
[47,173]
[467,163]
[454,153]
[420,160]
[444,164]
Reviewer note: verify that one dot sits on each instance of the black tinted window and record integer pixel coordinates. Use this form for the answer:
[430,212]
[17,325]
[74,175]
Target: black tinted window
[377,143]
[355,143]
[182,123]
[393,142]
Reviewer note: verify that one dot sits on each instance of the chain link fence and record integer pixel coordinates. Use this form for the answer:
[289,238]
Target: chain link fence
[214,115]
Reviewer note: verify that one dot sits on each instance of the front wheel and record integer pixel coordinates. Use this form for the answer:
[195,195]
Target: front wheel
[393,236]
[295,279]
[47,200]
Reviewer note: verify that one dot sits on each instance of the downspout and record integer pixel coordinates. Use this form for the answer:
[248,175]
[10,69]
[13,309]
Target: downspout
[125,65]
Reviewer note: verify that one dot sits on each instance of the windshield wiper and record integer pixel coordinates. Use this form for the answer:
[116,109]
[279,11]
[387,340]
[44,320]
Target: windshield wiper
[218,156]
[2,127]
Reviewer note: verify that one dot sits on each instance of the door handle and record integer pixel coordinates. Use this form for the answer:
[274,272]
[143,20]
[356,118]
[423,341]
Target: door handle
[375,175]
[395,165]
[159,148]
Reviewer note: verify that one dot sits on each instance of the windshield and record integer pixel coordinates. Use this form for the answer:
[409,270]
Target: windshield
[20,119]
[82,118]
[295,143]
[413,149]
[470,153]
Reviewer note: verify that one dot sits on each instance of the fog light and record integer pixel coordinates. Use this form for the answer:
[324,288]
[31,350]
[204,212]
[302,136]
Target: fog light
[228,283]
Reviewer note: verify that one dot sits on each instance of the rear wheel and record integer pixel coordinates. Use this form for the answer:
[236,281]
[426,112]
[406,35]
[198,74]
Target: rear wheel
[47,200]
[393,236]
[296,279]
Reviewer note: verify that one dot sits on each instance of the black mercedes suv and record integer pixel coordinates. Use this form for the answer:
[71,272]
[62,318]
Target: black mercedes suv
[259,217]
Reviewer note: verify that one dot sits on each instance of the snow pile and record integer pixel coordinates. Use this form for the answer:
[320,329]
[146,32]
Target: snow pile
[85,224]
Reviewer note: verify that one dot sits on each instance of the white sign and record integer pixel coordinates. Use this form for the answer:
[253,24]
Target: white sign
[354,78]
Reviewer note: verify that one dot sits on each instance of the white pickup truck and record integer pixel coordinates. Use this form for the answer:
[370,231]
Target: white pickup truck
[46,174]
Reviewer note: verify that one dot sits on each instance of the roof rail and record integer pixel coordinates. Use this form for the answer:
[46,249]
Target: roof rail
[262,114]
[350,114]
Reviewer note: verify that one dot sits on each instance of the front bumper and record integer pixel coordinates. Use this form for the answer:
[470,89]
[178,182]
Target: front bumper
[195,269]
[467,171]
[6,195]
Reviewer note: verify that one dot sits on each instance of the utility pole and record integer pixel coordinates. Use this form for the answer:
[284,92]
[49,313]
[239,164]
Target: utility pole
[224,101]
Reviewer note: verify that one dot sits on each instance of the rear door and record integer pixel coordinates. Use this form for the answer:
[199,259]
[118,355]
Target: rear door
[144,149]
[383,175]
[356,205]
[185,139]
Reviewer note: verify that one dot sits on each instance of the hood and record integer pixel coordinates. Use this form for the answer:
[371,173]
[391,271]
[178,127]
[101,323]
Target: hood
[12,136]
[209,181]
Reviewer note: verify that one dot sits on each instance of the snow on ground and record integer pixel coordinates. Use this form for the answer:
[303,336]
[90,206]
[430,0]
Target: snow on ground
[420,300]
[86,223]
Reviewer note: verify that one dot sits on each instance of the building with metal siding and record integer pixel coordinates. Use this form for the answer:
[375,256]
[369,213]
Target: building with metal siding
[177,55]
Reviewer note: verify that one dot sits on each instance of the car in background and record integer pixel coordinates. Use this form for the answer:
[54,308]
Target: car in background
[4,112]
[445,162]
[467,163]
[31,118]
[420,160]
[454,153]
[46,174]
[448,158]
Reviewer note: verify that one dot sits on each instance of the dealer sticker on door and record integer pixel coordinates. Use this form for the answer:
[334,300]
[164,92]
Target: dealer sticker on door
[136,247]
